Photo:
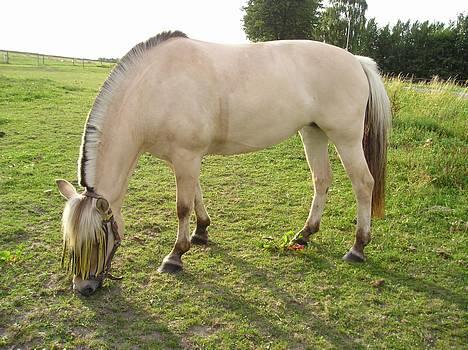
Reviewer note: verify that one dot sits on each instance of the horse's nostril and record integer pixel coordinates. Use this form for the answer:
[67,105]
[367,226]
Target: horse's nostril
[87,291]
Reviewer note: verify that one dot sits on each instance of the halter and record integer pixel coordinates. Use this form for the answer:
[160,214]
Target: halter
[108,225]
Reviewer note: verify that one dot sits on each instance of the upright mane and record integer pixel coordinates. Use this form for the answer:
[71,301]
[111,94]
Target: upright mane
[93,128]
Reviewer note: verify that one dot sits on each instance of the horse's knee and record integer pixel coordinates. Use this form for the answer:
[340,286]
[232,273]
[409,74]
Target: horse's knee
[183,243]
[368,182]
[365,187]
[183,210]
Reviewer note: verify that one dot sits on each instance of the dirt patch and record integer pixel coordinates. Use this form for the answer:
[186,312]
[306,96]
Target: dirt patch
[153,336]
[199,331]
[203,330]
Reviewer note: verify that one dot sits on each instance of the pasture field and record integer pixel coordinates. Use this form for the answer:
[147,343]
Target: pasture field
[242,291]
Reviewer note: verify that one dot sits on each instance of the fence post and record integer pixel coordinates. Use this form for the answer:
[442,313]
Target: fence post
[42,59]
[6,58]
[38,63]
[82,61]
[73,60]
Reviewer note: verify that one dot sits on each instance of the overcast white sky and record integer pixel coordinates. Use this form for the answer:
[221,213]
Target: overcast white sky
[109,28]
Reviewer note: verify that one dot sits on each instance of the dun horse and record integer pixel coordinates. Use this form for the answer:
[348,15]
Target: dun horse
[181,99]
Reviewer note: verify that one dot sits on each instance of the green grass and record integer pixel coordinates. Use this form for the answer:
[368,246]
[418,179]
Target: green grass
[236,293]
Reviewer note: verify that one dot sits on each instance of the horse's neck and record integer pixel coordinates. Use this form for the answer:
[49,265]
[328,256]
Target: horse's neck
[117,156]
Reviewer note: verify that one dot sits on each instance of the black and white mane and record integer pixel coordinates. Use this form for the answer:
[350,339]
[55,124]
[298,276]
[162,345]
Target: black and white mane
[93,126]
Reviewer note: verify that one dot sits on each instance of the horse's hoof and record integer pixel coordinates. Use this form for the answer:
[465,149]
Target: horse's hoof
[300,241]
[354,257]
[199,240]
[169,267]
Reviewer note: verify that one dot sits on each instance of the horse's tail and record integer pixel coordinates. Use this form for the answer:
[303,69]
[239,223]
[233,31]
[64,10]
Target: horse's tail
[376,127]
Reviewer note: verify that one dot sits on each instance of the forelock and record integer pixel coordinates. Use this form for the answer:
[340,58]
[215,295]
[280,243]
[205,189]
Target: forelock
[82,229]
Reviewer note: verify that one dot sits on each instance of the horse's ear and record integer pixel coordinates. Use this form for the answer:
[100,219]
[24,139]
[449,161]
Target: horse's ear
[102,205]
[66,189]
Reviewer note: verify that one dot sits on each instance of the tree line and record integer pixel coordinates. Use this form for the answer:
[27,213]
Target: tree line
[418,49]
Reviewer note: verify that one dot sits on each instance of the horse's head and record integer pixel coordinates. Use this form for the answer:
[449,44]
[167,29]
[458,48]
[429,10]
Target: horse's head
[90,237]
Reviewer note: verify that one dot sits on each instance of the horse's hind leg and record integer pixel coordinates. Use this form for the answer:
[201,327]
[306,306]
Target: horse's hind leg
[316,149]
[353,159]
[200,234]
[187,170]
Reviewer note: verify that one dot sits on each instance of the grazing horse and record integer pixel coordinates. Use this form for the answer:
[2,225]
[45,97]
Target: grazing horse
[181,99]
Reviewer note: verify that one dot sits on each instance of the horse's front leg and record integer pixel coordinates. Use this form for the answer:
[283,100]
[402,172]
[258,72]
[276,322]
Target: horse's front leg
[187,171]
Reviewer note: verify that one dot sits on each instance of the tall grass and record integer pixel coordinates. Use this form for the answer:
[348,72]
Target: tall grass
[433,116]
[437,98]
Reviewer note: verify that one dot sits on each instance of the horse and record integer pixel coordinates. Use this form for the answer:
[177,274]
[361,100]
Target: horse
[180,99]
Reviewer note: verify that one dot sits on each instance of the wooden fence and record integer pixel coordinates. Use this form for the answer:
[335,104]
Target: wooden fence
[38,59]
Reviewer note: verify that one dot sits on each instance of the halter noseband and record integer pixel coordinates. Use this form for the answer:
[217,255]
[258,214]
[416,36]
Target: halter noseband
[109,224]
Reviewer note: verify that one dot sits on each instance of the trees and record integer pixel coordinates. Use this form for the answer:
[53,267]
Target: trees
[423,49]
[281,19]
[461,44]
[343,22]
[368,39]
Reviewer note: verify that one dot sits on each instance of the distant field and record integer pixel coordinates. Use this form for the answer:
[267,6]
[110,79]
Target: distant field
[237,293]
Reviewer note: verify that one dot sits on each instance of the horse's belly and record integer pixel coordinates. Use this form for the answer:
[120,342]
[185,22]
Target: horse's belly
[255,133]
[242,146]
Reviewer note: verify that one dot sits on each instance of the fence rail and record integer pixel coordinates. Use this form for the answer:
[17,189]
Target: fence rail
[38,59]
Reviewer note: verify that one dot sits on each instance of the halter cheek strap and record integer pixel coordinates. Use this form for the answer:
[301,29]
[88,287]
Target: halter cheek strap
[109,225]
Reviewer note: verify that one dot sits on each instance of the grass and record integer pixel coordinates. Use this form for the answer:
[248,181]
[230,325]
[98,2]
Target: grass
[237,292]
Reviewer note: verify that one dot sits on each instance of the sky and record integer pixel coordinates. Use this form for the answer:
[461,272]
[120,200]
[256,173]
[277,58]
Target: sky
[109,28]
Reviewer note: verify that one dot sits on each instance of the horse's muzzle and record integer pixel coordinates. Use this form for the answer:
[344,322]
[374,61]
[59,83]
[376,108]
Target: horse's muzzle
[86,287]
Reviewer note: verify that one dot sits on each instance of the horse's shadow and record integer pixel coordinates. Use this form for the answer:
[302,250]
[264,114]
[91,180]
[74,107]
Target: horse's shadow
[399,278]
[269,325]
[302,310]
[431,289]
